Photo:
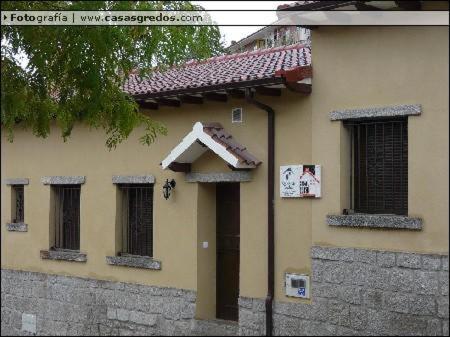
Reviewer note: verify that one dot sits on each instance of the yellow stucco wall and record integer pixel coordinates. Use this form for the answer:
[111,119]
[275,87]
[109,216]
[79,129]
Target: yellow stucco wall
[353,68]
[175,220]
[372,67]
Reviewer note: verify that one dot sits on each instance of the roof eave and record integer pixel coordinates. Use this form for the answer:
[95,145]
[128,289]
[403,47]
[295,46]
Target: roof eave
[285,77]
[212,88]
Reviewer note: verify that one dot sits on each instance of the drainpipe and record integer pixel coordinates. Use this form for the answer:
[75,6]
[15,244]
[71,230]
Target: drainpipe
[270,207]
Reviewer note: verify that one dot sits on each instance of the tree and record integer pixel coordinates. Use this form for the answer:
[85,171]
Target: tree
[74,73]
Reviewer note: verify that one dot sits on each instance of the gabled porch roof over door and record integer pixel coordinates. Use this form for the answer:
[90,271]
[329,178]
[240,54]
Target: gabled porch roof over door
[204,137]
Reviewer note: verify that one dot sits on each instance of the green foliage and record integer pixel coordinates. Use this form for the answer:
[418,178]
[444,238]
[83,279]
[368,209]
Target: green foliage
[74,73]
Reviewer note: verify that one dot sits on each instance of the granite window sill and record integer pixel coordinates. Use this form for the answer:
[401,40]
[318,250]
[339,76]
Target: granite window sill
[134,261]
[386,221]
[63,255]
[17,227]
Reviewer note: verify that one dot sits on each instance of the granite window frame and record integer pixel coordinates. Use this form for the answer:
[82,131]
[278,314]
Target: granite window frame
[18,206]
[17,196]
[122,257]
[57,253]
[66,234]
[136,219]
[350,218]
[379,166]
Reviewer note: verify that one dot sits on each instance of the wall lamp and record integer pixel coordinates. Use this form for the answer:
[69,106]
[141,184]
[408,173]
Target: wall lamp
[168,186]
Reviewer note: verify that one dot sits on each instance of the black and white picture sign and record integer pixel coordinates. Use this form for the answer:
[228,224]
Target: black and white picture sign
[300,181]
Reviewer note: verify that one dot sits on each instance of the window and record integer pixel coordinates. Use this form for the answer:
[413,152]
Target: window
[379,166]
[137,219]
[236,115]
[67,216]
[18,204]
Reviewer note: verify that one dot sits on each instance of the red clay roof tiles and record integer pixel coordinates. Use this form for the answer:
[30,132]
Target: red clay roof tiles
[223,70]
[217,132]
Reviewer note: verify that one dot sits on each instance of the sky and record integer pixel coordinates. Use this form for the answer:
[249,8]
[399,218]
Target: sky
[237,33]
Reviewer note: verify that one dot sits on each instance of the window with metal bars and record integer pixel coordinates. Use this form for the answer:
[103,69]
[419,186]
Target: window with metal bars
[67,216]
[18,212]
[137,219]
[379,166]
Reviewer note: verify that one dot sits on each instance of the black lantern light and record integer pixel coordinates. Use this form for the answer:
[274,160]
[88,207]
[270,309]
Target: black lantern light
[168,186]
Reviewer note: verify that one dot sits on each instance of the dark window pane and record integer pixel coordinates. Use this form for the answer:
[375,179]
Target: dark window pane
[380,166]
[137,217]
[19,205]
[67,217]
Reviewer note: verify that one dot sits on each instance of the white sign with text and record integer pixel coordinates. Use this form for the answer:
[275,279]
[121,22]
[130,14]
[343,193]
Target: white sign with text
[300,181]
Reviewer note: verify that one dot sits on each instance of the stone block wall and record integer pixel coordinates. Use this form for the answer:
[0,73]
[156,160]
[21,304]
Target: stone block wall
[353,292]
[76,306]
[365,292]
[252,317]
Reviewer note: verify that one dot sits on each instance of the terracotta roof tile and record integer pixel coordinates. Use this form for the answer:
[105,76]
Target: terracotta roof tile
[217,132]
[225,69]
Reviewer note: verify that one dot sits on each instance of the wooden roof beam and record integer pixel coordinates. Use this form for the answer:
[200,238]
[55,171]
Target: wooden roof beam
[169,102]
[236,93]
[214,96]
[148,105]
[268,91]
[191,99]
[300,88]
[180,167]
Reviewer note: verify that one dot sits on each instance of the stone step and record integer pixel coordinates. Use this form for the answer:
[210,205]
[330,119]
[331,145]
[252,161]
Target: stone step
[215,327]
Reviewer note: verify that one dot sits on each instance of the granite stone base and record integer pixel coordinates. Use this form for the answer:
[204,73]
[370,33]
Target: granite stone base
[362,293]
[252,317]
[75,306]
[214,328]
[353,292]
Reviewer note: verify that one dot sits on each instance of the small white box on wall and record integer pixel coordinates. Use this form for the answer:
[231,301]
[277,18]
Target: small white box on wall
[300,181]
[297,285]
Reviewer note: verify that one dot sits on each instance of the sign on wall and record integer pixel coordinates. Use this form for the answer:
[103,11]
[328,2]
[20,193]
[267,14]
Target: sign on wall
[300,181]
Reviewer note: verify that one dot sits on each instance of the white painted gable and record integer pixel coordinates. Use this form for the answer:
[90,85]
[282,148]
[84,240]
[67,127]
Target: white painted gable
[190,150]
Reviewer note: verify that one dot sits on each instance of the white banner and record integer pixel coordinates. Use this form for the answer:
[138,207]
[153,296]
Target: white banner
[105,18]
[239,18]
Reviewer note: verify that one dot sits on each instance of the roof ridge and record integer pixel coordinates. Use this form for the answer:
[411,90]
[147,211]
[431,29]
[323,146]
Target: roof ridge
[234,56]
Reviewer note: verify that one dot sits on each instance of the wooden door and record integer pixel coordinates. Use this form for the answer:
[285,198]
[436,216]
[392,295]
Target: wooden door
[227,229]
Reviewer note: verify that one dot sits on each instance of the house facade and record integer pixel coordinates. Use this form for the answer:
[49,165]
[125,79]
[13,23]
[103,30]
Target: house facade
[269,37]
[192,236]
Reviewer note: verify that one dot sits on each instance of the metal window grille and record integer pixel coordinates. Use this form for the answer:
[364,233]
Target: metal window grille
[380,166]
[137,219]
[67,216]
[19,203]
